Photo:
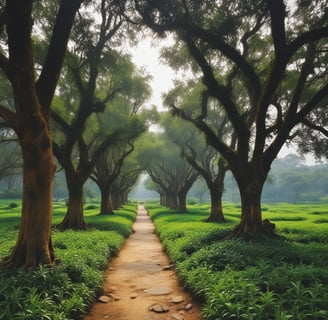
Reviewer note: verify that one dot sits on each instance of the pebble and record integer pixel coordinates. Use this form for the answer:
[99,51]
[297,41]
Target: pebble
[188,306]
[115,297]
[177,299]
[177,316]
[158,308]
[157,291]
[133,295]
[104,299]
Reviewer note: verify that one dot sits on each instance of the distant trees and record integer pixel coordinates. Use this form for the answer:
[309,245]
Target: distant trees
[203,158]
[260,61]
[293,181]
[173,175]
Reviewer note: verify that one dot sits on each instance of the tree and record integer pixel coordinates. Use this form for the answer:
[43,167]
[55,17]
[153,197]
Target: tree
[257,59]
[30,120]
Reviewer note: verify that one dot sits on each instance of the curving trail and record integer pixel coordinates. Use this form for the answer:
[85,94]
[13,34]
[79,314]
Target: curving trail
[140,284]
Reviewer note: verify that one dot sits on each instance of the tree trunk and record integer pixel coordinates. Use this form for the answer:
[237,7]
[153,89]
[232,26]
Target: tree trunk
[115,200]
[251,225]
[162,199]
[216,214]
[182,197]
[106,201]
[171,201]
[74,218]
[34,246]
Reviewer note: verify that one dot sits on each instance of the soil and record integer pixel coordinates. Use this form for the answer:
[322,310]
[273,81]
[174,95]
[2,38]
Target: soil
[141,281]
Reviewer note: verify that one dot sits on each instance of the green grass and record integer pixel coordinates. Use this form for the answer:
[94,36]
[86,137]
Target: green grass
[68,290]
[285,278]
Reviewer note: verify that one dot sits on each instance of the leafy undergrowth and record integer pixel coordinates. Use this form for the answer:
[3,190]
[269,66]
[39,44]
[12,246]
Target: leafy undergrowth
[285,278]
[68,290]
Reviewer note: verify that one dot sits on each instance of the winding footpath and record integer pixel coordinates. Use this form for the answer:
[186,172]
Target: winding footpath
[140,283]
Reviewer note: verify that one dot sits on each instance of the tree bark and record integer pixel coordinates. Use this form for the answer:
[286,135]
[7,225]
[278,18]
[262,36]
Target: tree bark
[74,218]
[162,199]
[182,197]
[171,201]
[115,200]
[34,246]
[106,201]
[216,214]
[250,226]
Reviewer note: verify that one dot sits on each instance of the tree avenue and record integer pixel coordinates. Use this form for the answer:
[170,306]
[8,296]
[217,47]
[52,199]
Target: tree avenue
[262,62]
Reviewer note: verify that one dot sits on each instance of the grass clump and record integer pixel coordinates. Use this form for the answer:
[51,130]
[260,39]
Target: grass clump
[282,278]
[68,290]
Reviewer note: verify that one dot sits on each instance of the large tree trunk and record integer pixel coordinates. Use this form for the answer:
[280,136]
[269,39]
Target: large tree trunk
[162,199]
[74,218]
[106,201]
[216,214]
[115,200]
[34,246]
[182,197]
[171,201]
[251,225]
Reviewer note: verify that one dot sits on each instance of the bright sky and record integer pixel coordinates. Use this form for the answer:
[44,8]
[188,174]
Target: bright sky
[146,55]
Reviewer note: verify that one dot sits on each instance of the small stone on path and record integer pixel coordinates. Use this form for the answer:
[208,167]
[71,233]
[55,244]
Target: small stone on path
[104,299]
[159,308]
[157,291]
[115,297]
[133,295]
[177,316]
[177,299]
[188,306]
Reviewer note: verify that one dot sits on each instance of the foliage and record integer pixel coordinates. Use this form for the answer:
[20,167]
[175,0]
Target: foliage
[68,290]
[283,278]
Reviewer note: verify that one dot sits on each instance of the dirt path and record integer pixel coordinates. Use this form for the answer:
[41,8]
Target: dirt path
[138,280]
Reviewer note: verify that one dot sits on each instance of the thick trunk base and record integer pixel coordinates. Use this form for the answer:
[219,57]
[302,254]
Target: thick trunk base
[70,222]
[29,254]
[252,232]
[216,218]
[74,218]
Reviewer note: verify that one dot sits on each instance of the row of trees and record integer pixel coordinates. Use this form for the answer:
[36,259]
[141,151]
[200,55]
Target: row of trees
[258,79]
[74,95]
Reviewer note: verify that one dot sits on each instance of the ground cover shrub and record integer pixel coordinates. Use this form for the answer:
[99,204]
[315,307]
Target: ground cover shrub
[68,290]
[281,278]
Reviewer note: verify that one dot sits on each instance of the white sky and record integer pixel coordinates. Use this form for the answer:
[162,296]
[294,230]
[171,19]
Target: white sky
[146,55]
